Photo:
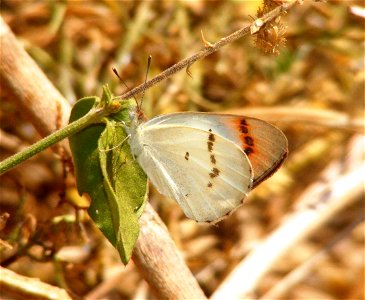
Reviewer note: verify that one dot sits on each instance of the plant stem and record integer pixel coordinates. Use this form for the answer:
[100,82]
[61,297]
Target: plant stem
[185,63]
[210,48]
[92,117]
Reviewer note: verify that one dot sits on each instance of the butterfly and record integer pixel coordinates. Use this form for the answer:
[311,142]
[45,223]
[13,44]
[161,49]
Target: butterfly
[207,162]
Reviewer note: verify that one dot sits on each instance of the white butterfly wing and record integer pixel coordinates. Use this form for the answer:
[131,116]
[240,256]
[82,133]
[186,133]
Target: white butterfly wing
[265,145]
[206,174]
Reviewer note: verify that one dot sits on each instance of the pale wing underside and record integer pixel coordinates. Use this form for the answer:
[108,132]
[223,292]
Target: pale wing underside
[265,145]
[206,174]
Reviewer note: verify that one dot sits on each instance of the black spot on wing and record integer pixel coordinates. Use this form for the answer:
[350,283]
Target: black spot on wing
[187,155]
[243,126]
[210,146]
[248,150]
[249,140]
[214,173]
[211,140]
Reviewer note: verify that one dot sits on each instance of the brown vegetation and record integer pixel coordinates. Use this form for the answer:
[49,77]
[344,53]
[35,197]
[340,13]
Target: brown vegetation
[299,235]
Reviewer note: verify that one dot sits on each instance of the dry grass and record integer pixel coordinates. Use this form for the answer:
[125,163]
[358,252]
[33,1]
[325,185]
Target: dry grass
[313,89]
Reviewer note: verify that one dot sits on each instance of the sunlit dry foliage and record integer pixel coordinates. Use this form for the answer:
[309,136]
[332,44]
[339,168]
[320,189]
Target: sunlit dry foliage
[312,88]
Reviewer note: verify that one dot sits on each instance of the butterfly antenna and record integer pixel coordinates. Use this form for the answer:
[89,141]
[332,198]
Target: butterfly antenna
[145,79]
[124,83]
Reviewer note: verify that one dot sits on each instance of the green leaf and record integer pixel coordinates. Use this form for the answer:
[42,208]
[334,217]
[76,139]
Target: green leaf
[126,199]
[107,172]
[89,179]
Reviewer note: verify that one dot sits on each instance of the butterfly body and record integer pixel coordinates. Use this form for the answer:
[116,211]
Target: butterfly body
[206,162]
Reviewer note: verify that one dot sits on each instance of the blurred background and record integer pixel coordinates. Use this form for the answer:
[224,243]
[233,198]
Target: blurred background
[306,76]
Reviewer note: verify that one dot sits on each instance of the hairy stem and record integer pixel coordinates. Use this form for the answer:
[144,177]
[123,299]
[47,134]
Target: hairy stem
[185,63]
[94,116]
[210,48]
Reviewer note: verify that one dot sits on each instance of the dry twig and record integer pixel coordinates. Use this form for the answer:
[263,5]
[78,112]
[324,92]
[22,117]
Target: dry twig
[155,253]
[13,284]
[29,96]
[211,48]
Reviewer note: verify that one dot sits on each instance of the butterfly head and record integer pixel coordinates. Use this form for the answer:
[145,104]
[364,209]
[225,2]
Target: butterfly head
[137,116]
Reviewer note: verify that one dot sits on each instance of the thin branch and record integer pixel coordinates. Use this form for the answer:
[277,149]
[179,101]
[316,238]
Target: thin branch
[210,48]
[16,59]
[29,91]
[172,279]
[49,140]
[15,285]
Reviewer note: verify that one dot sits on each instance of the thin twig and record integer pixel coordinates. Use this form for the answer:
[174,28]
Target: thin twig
[15,285]
[184,282]
[48,141]
[209,49]
[172,279]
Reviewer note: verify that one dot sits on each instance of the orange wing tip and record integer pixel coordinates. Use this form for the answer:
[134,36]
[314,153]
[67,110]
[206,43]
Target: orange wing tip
[270,171]
[249,142]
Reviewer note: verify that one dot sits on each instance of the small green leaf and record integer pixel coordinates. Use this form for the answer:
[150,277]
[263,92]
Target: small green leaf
[106,170]
[126,198]
[89,178]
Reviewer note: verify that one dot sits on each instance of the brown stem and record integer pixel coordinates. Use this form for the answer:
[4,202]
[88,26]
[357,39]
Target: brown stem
[25,83]
[210,48]
[155,254]
[34,98]
[158,258]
